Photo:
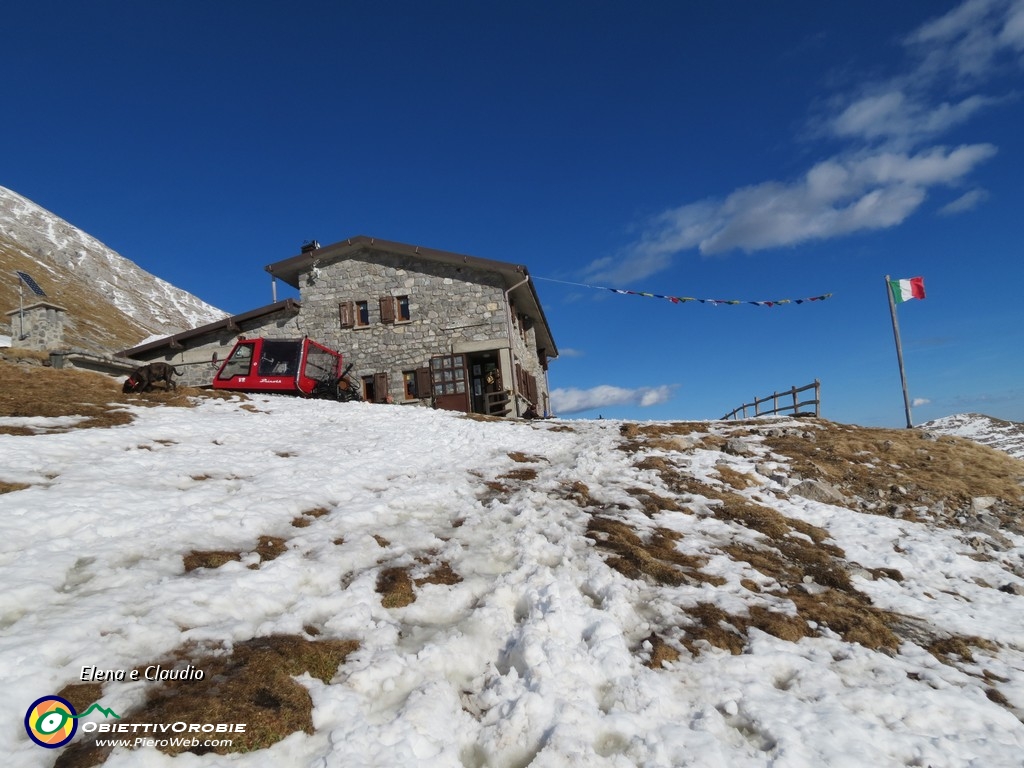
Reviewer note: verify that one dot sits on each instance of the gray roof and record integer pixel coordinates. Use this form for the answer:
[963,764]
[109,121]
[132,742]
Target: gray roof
[232,323]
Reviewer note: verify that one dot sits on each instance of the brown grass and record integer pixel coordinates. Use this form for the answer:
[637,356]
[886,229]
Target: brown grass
[210,558]
[656,558]
[735,479]
[270,548]
[906,468]
[661,652]
[525,458]
[526,473]
[442,574]
[306,518]
[395,587]
[253,684]
[38,390]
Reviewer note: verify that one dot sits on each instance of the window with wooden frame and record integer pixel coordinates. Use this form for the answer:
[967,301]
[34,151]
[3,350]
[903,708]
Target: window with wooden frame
[448,374]
[362,314]
[395,309]
[416,383]
[376,388]
[347,314]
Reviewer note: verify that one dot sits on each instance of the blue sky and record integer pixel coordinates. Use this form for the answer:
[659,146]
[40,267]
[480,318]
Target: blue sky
[728,150]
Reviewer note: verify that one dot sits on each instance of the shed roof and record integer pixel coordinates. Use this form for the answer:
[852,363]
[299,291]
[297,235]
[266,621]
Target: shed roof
[515,276]
[232,323]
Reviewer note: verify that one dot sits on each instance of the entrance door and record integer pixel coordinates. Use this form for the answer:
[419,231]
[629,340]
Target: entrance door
[488,392]
[448,382]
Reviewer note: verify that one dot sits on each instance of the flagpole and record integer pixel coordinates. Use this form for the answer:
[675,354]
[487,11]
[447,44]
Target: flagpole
[899,350]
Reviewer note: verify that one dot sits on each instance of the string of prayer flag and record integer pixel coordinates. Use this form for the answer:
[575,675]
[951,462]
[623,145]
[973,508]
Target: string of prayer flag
[685,299]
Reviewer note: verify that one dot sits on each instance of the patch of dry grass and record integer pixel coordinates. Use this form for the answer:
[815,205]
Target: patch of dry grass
[655,557]
[268,548]
[397,584]
[38,390]
[906,468]
[395,587]
[209,558]
[253,684]
[306,518]
[525,458]
[660,653]
[525,473]
[734,478]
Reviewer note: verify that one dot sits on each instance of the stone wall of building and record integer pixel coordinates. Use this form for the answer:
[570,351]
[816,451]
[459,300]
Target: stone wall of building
[38,326]
[451,309]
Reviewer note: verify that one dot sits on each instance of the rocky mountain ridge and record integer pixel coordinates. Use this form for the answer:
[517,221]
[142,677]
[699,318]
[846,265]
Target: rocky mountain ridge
[1006,436]
[111,302]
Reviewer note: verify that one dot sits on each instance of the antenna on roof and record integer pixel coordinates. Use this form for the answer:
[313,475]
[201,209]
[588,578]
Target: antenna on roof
[309,246]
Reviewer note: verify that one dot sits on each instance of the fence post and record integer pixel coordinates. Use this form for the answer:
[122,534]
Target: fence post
[817,399]
[793,392]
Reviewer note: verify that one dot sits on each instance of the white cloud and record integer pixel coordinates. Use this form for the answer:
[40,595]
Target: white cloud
[836,197]
[971,40]
[966,202]
[885,172]
[920,401]
[571,400]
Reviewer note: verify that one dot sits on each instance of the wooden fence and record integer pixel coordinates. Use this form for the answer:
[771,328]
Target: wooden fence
[776,408]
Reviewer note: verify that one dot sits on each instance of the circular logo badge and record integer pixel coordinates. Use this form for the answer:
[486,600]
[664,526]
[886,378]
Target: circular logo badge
[50,722]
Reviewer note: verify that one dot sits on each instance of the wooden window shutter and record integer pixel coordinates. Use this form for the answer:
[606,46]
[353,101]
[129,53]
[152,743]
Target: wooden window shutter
[347,314]
[387,309]
[422,382]
[380,388]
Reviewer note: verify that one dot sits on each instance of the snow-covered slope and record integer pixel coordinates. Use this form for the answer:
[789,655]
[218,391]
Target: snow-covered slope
[82,274]
[1006,436]
[576,593]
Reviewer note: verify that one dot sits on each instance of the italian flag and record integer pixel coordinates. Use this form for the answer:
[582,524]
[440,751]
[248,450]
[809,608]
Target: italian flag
[910,288]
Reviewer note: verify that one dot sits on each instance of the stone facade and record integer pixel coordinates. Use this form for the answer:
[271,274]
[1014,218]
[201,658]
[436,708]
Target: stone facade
[420,327]
[38,326]
[392,311]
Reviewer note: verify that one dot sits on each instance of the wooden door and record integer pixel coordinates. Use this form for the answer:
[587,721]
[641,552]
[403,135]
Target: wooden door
[448,382]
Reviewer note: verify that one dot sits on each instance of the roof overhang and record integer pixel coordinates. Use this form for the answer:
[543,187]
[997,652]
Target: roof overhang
[231,324]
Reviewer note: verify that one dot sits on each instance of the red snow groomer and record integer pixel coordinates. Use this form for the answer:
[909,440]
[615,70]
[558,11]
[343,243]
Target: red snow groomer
[289,366]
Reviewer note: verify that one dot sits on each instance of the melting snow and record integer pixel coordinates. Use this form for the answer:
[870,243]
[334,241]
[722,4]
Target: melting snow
[536,657]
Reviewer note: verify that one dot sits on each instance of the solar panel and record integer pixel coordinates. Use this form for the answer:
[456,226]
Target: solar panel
[32,284]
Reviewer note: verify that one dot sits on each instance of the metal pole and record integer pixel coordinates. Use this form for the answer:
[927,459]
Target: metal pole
[899,351]
[21,311]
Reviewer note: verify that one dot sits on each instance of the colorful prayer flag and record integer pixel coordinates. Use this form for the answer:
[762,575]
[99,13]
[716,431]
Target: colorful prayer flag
[910,288]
